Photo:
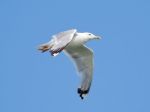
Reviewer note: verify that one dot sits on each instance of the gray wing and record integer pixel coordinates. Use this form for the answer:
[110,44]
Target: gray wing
[58,42]
[83,59]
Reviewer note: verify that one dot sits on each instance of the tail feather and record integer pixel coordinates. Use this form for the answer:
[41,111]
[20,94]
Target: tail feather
[45,47]
[50,47]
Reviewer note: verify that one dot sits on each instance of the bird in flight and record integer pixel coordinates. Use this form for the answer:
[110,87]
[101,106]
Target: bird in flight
[72,43]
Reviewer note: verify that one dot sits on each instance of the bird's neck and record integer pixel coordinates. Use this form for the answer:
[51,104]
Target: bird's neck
[81,38]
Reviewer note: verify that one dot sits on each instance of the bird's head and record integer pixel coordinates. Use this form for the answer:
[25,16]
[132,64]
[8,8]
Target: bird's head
[91,36]
[86,36]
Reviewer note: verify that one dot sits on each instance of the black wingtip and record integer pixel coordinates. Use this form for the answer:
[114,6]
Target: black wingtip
[82,92]
[81,96]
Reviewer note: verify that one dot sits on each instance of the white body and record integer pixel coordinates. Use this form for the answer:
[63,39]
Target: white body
[73,44]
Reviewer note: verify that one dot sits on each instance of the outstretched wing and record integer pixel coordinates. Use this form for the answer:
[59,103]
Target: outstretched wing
[83,59]
[58,42]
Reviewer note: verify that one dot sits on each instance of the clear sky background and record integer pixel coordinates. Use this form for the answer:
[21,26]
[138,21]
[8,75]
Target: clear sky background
[35,82]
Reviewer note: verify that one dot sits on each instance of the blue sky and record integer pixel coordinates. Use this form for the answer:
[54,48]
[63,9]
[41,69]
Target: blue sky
[35,82]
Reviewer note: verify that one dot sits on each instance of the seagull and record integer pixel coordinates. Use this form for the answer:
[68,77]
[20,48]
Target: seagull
[72,43]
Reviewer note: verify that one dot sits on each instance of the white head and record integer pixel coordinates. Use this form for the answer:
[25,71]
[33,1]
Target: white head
[91,36]
[86,36]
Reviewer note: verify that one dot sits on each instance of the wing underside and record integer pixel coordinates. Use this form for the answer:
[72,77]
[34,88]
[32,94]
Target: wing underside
[83,59]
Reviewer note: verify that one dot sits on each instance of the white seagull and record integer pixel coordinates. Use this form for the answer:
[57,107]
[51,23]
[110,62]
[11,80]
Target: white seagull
[72,43]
